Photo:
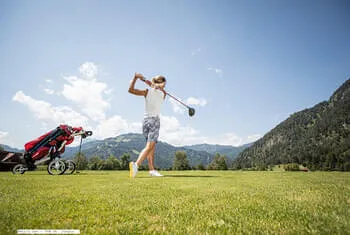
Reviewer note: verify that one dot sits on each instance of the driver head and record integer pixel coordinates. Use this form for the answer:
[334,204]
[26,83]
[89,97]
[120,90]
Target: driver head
[191,112]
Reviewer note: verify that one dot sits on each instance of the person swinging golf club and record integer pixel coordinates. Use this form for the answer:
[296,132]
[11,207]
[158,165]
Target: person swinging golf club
[154,98]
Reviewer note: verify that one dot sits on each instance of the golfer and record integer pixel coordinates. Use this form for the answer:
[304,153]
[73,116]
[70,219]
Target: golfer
[154,97]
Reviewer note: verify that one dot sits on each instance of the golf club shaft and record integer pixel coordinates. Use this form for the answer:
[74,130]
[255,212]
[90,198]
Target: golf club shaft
[178,100]
[148,83]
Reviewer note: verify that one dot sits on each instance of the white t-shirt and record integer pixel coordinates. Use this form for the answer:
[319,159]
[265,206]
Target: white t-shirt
[153,102]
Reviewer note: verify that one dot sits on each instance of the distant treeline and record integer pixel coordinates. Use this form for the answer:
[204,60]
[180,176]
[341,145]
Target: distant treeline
[181,162]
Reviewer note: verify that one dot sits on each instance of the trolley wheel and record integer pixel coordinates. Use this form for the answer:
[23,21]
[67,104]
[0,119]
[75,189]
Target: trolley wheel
[56,167]
[19,169]
[70,167]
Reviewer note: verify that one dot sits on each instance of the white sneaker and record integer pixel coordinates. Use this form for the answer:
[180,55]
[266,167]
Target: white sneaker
[133,169]
[155,173]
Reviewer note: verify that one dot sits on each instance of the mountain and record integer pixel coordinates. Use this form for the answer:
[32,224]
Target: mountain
[229,151]
[318,137]
[134,143]
[10,149]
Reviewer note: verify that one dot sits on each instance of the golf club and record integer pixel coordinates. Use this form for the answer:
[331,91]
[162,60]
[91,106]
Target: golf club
[191,111]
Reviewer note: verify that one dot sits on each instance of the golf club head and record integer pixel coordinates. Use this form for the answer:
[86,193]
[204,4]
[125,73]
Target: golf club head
[191,111]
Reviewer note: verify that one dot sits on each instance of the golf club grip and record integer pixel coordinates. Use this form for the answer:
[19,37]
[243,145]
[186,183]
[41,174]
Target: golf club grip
[148,82]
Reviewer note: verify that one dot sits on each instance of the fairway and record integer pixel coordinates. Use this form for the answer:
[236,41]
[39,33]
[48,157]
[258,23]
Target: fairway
[182,202]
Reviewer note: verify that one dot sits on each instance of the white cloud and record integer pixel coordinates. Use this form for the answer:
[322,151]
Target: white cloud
[191,101]
[108,92]
[253,138]
[216,70]
[173,133]
[226,139]
[84,91]
[44,111]
[229,138]
[171,130]
[87,92]
[3,136]
[47,88]
[6,139]
[49,91]
[194,101]
[41,109]
[111,127]
[176,106]
[88,70]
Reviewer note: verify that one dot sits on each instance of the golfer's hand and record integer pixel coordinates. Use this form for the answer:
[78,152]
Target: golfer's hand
[139,76]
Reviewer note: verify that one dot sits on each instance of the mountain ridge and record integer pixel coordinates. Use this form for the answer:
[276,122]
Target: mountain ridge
[317,137]
[133,143]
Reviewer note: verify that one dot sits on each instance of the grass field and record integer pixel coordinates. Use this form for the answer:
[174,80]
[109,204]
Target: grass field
[190,202]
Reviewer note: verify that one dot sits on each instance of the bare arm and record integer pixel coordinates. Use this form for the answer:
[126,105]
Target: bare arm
[132,89]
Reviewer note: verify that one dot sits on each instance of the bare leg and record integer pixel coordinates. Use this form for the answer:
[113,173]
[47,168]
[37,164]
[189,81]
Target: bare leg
[145,152]
[150,158]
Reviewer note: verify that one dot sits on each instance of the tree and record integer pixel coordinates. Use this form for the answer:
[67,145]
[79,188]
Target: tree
[95,163]
[81,161]
[181,162]
[111,163]
[1,148]
[219,163]
[116,163]
[347,166]
[124,161]
[200,167]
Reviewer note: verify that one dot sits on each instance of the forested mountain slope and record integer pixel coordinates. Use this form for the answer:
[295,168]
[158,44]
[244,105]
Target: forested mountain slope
[318,137]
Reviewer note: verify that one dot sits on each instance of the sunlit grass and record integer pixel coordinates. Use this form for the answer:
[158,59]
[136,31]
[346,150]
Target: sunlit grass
[190,202]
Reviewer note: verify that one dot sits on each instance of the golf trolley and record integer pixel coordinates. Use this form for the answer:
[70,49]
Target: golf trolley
[47,149]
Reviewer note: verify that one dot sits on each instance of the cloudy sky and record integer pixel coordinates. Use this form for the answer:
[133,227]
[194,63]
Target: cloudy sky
[245,66]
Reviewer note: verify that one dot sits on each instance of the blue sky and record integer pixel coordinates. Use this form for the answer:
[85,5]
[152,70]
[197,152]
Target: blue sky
[245,66]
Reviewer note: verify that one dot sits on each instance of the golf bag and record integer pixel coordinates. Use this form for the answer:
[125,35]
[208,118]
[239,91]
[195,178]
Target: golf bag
[50,142]
[48,148]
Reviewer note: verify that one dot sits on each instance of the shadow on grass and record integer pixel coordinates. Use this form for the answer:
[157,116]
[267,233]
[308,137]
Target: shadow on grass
[191,176]
[36,173]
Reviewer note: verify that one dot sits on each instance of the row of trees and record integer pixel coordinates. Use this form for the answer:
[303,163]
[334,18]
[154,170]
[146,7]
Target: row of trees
[181,162]
[96,163]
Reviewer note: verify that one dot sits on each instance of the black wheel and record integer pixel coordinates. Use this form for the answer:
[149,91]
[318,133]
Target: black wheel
[70,167]
[19,169]
[56,167]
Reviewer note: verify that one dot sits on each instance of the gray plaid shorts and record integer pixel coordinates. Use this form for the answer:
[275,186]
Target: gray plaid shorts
[150,128]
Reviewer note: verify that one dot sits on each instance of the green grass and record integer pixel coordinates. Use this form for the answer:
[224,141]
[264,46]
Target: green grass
[191,202]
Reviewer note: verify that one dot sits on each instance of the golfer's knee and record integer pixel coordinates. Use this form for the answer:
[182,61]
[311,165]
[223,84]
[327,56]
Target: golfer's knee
[150,145]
